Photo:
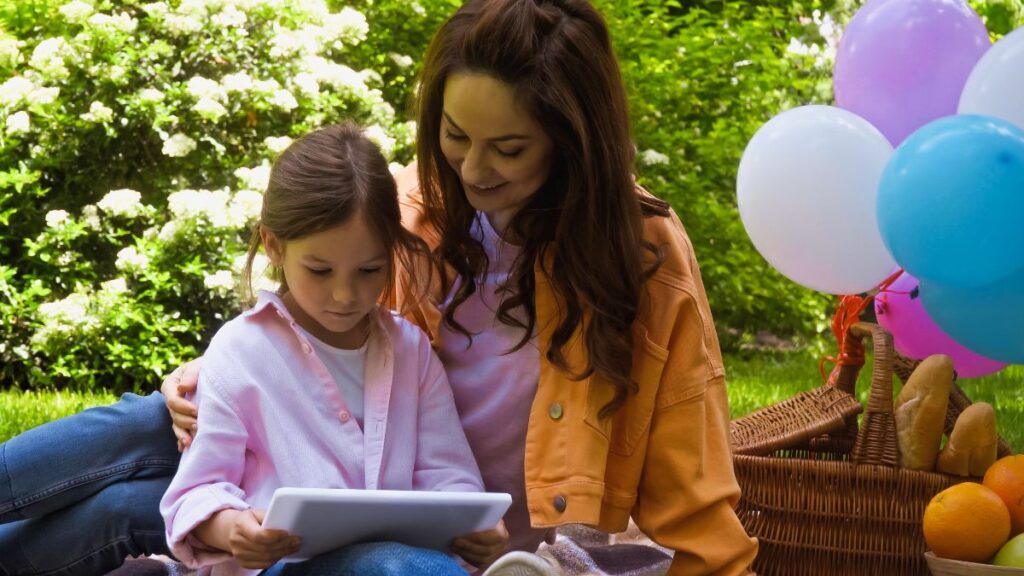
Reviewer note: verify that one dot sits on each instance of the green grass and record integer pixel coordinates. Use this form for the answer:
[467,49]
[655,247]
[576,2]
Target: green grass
[754,381]
[20,411]
[763,379]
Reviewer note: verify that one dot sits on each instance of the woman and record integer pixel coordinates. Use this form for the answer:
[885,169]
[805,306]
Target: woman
[569,315]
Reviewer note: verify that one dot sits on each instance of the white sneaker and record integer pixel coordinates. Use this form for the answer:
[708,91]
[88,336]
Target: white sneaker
[521,563]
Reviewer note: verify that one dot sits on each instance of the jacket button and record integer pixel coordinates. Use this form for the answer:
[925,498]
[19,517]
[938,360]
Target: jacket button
[555,411]
[344,416]
[560,503]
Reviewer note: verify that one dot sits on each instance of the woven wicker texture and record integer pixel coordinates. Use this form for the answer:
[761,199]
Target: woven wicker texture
[838,503]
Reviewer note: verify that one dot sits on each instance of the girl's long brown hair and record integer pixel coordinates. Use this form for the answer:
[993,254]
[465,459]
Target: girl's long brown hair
[321,181]
[585,222]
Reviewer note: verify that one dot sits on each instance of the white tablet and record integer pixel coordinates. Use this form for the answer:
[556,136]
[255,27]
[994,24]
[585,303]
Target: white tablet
[327,519]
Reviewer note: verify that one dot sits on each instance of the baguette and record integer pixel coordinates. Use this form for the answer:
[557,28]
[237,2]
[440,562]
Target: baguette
[921,412]
[973,444]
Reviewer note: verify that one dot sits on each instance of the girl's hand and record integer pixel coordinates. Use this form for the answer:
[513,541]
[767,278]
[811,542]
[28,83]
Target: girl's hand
[482,548]
[182,381]
[254,546]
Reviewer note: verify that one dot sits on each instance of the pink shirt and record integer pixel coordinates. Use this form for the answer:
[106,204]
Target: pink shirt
[494,390]
[270,415]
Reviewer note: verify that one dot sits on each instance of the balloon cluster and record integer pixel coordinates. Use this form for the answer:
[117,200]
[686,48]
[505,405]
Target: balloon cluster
[831,205]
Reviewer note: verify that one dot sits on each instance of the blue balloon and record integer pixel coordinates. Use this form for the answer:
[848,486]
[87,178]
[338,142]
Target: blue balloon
[987,320]
[951,201]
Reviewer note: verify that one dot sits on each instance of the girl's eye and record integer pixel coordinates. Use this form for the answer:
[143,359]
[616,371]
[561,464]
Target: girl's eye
[319,271]
[371,270]
[453,136]
[510,153]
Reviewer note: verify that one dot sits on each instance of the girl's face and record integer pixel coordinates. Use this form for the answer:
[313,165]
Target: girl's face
[501,154]
[335,279]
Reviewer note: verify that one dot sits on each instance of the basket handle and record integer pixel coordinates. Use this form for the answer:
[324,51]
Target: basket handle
[876,439]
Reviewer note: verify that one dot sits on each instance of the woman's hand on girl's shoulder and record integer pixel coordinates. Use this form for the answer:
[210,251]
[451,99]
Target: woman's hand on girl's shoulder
[482,548]
[183,381]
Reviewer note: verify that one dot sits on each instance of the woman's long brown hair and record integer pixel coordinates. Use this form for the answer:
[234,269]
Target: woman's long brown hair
[585,222]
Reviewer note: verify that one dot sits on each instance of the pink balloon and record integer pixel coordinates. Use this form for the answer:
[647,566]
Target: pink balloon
[903,63]
[900,311]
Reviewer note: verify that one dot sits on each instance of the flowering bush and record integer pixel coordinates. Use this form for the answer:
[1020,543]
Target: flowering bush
[135,142]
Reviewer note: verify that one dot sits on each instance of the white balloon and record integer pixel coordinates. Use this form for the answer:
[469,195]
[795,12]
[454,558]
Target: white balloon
[996,84]
[807,190]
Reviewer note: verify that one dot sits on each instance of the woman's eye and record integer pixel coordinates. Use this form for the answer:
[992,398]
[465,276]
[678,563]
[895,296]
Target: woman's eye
[509,153]
[453,136]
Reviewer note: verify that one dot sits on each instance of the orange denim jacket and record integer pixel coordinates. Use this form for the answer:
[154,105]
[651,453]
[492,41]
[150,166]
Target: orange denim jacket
[664,458]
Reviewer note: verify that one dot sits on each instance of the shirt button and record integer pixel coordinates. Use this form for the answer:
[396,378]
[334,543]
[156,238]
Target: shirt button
[555,411]
[560,503]
[344,416]
[306,348]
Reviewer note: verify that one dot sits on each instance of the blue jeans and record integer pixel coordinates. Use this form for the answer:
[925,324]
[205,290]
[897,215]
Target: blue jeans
[79,494]
[372,559]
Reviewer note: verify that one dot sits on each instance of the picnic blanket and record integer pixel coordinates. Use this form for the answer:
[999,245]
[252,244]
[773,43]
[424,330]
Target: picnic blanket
[577,550]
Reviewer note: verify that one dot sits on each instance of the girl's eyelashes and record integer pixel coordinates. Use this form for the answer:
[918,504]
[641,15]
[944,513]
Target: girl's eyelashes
[319,271]
[372,270]
[509,154]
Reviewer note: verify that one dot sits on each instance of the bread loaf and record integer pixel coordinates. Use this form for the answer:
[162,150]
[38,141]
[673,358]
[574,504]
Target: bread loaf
[921,412]
[973,444]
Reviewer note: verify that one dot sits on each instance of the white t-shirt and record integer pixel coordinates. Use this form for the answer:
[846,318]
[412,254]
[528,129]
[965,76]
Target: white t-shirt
[346,367]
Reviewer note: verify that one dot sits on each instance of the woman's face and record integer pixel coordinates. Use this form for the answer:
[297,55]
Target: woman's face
[501,154]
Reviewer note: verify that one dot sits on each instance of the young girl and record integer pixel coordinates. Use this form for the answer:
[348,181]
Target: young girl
[316,385]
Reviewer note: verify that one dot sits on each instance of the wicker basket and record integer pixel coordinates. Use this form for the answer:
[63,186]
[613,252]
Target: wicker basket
[832,499]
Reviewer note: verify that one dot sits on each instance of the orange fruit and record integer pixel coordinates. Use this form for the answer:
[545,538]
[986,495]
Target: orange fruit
[1006,478]
[966,522]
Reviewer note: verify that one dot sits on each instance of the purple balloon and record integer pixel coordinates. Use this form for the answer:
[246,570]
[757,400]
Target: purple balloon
[903,63]
[900,311]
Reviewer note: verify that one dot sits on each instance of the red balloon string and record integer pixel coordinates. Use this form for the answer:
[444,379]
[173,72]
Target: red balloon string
[851,306]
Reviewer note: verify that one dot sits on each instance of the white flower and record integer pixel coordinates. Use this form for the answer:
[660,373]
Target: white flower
[115,286]
[284,100]
[115,73]
[277,144]
[210,109]
[377,135]
[130,259]
[244,208]
[119,22]
[14,89]
[229,17]
[339,76]
[54,218]
[76,11]
[48,57]
[98,112]
[178,145]
[168,231]
[402,60]
[91,216]
[70,314]
[306,83]
[180,25]
[290,42]
[9,50]
[265,87]
[18,123]
[238,82]
[200,87]
[194,204]
[255,178]
[155,9]
[221,282]
[349,26]
[652,157]
[418,9]
[150,95]
[259,273]
[123,202]
[198,8]
[43,95]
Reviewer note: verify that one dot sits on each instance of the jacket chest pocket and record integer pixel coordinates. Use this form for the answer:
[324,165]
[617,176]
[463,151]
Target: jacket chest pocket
[628,426]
